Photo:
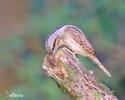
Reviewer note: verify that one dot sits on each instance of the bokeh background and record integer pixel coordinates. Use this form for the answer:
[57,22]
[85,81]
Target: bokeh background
[24,25]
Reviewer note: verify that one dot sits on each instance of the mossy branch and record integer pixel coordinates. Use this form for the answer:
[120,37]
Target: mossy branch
[74,78]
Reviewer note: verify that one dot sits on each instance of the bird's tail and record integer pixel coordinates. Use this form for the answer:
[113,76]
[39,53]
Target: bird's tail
[96,60]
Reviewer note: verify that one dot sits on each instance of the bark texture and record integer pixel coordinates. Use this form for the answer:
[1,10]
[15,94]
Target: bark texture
[71,75]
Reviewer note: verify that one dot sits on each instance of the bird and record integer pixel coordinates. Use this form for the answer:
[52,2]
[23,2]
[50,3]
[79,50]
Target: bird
[75,40]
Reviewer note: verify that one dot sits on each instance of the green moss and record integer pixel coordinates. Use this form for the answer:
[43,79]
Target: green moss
[97,95]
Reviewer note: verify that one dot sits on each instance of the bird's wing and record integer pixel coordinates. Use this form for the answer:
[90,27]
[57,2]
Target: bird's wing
[80,37]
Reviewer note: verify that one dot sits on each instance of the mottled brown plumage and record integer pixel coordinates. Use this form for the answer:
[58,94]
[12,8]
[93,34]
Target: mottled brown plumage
[75,40]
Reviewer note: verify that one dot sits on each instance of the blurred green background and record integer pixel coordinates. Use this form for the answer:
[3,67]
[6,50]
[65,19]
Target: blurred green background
[24,25]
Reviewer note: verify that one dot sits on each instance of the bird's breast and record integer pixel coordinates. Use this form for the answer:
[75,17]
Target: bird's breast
[75,46]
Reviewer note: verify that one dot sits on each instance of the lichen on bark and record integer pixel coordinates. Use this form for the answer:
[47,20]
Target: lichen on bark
[71,75]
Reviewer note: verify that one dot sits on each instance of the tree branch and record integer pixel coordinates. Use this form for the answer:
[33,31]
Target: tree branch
[74,78]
